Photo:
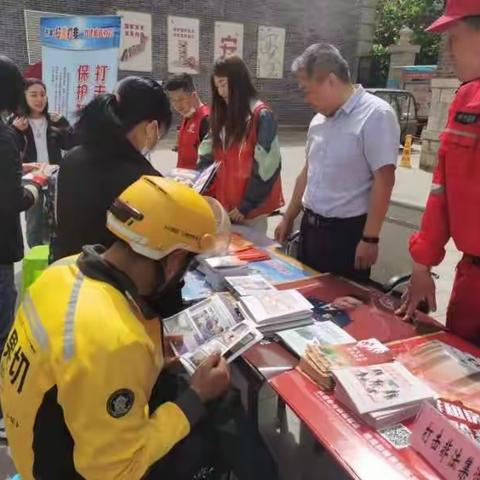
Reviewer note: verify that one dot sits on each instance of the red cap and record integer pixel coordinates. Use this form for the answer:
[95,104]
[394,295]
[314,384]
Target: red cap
[456,10]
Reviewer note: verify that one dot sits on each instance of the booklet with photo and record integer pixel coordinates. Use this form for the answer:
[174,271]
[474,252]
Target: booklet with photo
[246,285]
[213,325]
[320,333]
[199,181]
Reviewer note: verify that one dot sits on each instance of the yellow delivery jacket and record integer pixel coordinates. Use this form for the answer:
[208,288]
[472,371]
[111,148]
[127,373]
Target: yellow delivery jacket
[76,376]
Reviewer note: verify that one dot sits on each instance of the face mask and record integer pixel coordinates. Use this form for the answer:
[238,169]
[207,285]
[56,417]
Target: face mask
[162,285]
[145,151]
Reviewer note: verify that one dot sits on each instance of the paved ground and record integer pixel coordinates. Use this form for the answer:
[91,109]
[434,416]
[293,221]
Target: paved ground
[294,448]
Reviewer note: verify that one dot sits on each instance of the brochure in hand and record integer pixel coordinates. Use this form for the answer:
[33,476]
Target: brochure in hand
[213,325]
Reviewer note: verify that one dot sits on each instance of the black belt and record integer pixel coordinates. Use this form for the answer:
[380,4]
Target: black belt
[315,220]
[472,259]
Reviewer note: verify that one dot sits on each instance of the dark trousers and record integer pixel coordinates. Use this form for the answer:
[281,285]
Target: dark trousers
[329,245]
[8,296]
[37,223]
[223,441]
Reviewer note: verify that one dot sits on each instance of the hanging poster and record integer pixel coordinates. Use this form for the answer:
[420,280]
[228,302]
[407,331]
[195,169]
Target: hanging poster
[183,45]
[271,51]
[228,40]
[136,41]
[79,59]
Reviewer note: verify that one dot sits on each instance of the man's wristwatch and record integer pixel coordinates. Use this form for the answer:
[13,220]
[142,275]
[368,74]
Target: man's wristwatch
[374,240]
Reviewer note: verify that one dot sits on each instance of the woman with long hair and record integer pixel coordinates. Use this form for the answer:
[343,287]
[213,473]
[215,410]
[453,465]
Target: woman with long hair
[42,136]
[244,140]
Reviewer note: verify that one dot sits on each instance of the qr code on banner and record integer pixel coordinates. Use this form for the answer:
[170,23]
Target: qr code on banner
[398,436]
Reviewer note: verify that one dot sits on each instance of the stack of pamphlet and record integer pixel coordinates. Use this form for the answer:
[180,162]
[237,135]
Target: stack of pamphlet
[319,360]
[277,310]
[213,325]
[248,285]
[382,395]
[320,333]
[216,269]
[199,181]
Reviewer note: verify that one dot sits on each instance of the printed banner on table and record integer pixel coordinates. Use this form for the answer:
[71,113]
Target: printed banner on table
[271,51]
[136,41]
[183,45]
[79,59]
[228,40]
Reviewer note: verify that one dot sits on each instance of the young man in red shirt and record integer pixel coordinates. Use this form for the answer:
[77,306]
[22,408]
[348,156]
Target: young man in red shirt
[453,206]
[195,124]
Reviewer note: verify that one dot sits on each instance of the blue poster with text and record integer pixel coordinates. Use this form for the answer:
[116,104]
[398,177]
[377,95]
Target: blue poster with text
[79,59]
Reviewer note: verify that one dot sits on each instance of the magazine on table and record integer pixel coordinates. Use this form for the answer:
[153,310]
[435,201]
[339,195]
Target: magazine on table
[379,387]
[320,333]
[199,181]
[247,285]
[449,371]
[213,325]
[277,306]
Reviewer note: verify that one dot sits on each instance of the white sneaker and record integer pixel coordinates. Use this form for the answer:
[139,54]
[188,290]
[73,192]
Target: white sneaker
[3,433]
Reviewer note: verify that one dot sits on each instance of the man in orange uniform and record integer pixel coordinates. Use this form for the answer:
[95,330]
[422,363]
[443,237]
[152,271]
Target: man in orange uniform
[453,208]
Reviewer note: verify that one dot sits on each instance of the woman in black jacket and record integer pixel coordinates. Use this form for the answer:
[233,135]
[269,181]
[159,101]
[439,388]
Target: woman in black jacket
[41,137]
[115,132]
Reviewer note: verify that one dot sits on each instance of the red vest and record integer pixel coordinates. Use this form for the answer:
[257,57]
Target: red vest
[236,168]
[189,138]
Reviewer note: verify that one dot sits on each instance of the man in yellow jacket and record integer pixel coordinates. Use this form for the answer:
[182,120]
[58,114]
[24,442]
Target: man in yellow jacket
[81,388]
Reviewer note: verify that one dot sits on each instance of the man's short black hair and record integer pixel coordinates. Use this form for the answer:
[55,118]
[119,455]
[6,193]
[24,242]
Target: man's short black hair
[183,81]
[11,84]
[473,22]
